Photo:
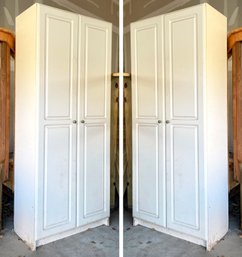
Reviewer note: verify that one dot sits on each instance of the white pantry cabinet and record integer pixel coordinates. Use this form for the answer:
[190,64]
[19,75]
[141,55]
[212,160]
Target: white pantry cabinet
[62,133]
[179,100]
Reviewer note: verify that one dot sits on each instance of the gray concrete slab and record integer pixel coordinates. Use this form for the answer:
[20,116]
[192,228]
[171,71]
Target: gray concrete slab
[138,242]
[144,242]
[98,242]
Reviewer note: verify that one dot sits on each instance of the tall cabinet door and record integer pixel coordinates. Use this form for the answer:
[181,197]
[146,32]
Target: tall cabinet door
[148,121]
[184,114]
[57,45]
[93,161]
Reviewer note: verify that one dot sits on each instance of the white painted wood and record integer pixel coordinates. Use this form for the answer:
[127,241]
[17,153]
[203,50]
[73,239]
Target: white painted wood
[58,159]
[57,76]
[72,232]
[170,232]
[26,113]
[193,102]
[148,108]
[184,111]
[216,146]
[94,109]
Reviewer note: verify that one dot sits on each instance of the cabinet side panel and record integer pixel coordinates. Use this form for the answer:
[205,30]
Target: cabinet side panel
[216,127]
[25,125]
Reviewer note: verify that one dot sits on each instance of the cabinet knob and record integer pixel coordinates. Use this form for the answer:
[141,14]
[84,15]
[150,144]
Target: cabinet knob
[74,121]
[82,121]
[167,121]
[159,121]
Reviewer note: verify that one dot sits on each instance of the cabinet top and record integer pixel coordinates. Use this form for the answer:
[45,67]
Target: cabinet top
[47,7]
[203,6]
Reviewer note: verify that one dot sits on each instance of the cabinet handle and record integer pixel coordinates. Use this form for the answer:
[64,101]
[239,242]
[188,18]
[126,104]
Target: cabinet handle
[82,121]
[74,122]
[159,121]
[167,121]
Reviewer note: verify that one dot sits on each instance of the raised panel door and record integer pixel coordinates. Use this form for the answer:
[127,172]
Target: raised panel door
[93,165]
[184,115]
[148,121]
[57,45]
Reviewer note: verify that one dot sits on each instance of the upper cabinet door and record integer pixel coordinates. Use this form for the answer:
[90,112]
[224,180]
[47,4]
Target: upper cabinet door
[57,42]
[58,63]
[148,129]
[94,72]
[184,111]
[184,67]
[147,69]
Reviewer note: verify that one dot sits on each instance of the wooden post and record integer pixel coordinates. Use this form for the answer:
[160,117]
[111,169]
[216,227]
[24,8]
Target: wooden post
[5,107]
[114,140]
[234,47]
[7,42]
[2,103]
[1,190]
[7,48]
[128,137]
[236,57]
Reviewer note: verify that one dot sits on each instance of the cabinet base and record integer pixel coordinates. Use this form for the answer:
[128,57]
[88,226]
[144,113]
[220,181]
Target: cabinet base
[170,232]
[72,232]
[68,233]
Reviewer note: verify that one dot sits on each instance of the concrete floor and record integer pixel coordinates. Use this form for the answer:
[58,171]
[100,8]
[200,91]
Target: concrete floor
[138,242]
[143,242]
[98,242]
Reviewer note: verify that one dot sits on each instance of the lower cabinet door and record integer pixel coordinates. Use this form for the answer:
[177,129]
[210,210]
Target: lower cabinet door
[57,181]
[185,193]
[93,173]
[149,173]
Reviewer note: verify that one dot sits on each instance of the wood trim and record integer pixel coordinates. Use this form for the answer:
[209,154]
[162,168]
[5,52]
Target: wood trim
[233,37]
[117,74]
[8,37]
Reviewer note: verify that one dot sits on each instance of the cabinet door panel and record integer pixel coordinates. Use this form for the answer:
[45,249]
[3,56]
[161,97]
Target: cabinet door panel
[146,73]
[183,62]
[57,100]
[93,167]
[147,109]
[149,173]
[59,55]
[147,170]
[58,189]
[183,203]
[184,111]
[93,173]
[95,73]
[95,170]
